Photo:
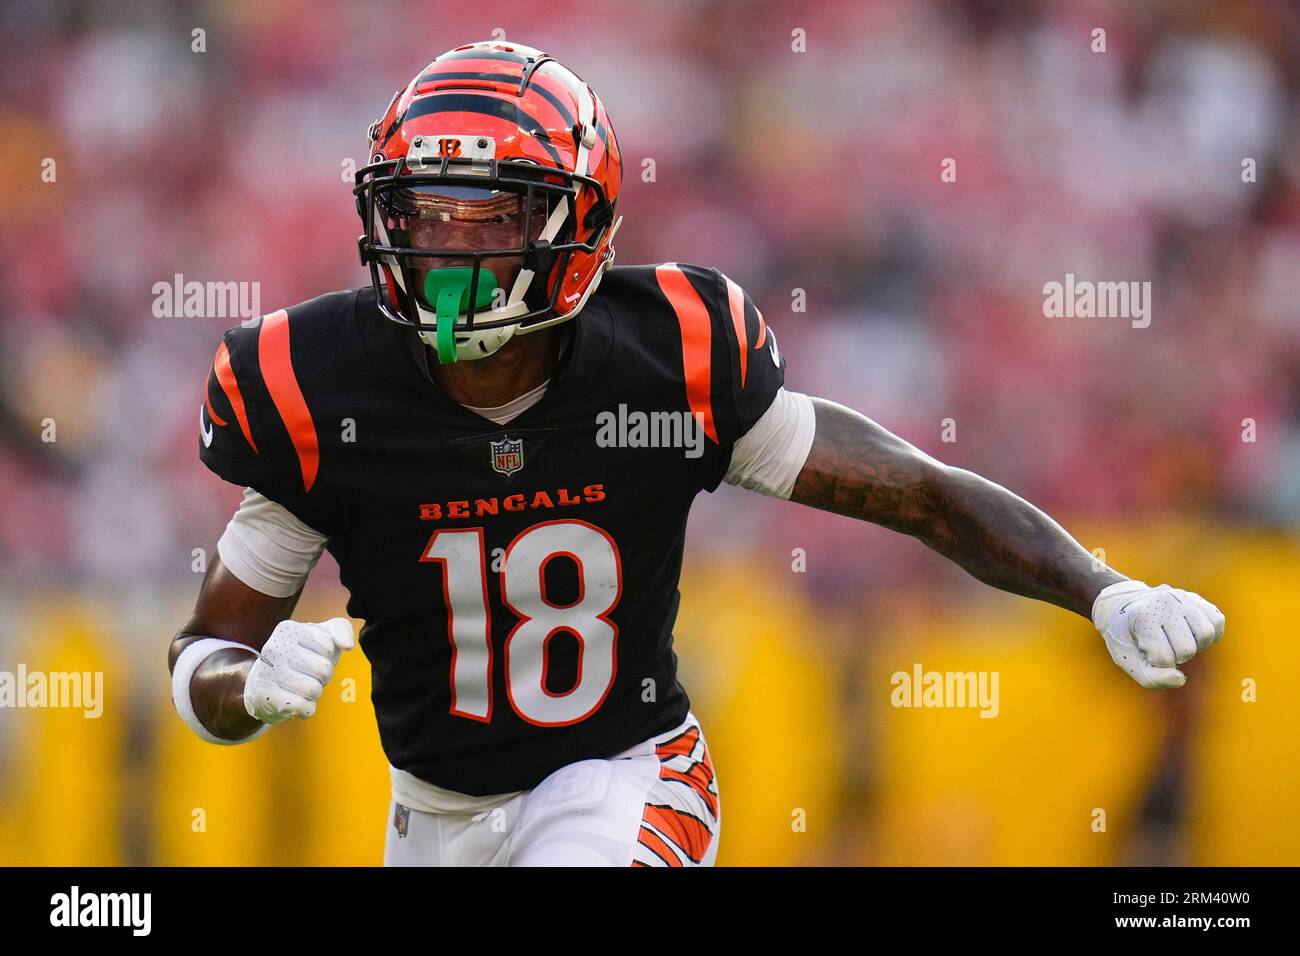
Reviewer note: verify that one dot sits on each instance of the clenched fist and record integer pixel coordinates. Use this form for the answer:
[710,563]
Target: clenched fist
[1150,630]
[293,668]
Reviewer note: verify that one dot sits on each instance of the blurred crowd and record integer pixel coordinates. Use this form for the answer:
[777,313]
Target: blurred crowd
[811,176]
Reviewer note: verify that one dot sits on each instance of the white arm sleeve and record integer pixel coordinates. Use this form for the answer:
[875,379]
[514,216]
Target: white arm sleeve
[268,548]
[769,456]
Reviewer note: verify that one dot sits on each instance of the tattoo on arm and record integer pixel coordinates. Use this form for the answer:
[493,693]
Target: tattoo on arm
[859,469]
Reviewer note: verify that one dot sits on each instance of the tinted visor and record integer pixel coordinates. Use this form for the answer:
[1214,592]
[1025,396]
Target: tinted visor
[447,231]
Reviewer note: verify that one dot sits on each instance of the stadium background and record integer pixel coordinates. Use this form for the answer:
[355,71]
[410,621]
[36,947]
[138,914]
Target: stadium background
[818,171]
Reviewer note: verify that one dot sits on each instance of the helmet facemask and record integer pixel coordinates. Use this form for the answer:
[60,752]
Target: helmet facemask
[468,248]
[469,272]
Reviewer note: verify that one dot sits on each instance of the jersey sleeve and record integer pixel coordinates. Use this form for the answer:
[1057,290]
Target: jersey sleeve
[267,548]
[769,457]
[757,366]
[748,369]
[238,437]
[226,442]
[731,367]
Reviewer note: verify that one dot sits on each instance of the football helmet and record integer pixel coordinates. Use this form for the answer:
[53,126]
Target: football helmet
[488,205]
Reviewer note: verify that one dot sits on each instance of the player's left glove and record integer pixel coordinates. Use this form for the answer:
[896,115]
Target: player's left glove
[1149,630]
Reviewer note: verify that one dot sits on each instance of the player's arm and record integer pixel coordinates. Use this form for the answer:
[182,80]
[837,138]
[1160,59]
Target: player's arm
[229,610]
[787,445]
[239,663]
[857,468]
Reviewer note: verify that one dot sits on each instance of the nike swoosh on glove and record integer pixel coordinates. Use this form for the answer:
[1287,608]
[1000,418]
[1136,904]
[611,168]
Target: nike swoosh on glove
[293,668]
[1149,630]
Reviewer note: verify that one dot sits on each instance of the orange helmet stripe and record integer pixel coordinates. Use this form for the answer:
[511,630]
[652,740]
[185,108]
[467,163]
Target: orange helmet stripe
[457,107]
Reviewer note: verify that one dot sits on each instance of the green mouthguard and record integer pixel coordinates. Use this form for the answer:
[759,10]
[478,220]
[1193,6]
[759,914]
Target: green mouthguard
[447,292]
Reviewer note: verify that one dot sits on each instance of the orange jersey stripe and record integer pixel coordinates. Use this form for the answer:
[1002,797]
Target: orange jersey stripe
[277,371]
[689,833]
[762,330]
[697,340]
[226,379]
[655,844]
[212,415]
[736,300]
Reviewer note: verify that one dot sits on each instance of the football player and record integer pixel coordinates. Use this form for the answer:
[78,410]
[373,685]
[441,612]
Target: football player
[499,439]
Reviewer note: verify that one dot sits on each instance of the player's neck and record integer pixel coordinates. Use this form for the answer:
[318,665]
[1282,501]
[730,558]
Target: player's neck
[519,366]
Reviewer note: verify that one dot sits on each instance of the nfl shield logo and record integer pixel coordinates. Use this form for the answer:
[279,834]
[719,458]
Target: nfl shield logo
[507,455]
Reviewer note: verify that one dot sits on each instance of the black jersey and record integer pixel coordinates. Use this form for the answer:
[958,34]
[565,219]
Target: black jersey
[518,583]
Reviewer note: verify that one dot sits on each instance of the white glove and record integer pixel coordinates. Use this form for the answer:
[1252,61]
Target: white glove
[296,663]
[1149,630]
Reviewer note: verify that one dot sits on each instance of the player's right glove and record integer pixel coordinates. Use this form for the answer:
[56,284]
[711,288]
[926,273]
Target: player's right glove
[1149,630]
[293,668]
